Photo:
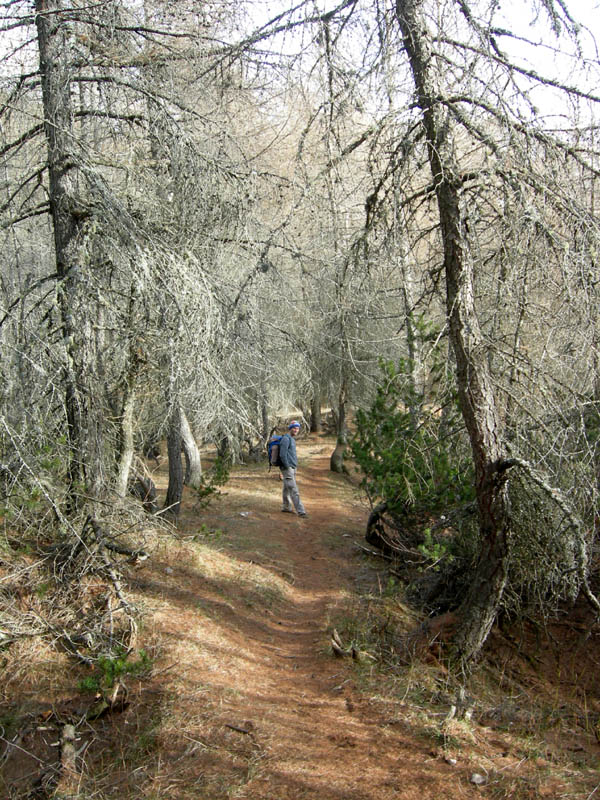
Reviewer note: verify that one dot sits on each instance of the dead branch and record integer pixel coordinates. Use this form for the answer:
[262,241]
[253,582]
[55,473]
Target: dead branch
[557,497]
[67,750]
[340,651]
[135,555]
[238,729]
[336,645]
[377,553]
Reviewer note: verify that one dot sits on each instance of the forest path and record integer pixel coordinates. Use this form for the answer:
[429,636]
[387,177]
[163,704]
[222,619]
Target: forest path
[253,703]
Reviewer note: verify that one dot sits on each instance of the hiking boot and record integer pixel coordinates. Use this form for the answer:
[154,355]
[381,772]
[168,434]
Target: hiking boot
[303,514]
[286,511]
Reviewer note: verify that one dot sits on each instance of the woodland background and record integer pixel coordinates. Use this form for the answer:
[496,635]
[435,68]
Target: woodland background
[212,216]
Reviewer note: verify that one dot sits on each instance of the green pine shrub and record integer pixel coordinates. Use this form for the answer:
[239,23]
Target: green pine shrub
[415,462]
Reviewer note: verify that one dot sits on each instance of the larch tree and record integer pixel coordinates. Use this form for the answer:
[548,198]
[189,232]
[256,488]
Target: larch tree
[455,98]
[476,392]
[69,207]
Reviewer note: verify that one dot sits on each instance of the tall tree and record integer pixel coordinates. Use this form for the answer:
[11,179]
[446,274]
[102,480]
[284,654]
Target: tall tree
[69,209]
[475,387]
[444,123]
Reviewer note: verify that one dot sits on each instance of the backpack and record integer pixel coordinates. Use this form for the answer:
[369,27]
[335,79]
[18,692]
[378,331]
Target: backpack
[273,451]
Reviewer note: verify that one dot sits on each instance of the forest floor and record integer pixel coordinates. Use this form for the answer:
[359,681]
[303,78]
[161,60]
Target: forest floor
[245,699]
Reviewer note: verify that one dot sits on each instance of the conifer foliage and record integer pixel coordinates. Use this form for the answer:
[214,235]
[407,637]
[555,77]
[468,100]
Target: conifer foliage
[414,466]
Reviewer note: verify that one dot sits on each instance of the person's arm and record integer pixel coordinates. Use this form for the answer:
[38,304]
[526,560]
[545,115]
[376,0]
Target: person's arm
[284,445]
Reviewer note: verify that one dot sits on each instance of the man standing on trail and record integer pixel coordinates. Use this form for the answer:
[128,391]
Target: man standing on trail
[288,464]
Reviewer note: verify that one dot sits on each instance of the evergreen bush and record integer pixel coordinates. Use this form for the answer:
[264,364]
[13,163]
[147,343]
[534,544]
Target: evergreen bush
[414,462]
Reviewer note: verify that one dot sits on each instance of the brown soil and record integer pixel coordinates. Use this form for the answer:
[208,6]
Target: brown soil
[246,699]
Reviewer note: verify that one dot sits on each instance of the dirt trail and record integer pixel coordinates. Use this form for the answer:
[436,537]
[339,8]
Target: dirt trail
[258,707]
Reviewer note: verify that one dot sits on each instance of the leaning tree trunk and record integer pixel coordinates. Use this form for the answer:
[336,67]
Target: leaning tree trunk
[193,463]
[478,405]
[69,214]
[128,402]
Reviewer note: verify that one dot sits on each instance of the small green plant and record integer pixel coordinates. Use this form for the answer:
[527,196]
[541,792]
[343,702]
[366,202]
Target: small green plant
[89,684]
[51,463]
[434,551]
[392,587]
[217,476]
[115,668]
[27,499]
[42,589]
[9,722]
[204,532]
[112,668]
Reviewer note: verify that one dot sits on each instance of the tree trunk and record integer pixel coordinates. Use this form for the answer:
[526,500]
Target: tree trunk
[174,443]
[126,449]
[68,218]
[479,608]
[412,339]
[336,462]
[193,463]
[264,413]
[316,422]
[125,436]
[224,448]
[596,368]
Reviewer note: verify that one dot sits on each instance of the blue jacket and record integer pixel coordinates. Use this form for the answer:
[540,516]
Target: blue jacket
[287,452]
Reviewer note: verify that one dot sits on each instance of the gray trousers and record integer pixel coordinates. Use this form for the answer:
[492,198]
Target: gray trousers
[291,495]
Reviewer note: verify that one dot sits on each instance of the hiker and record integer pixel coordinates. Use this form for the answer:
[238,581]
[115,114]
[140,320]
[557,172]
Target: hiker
[288,463]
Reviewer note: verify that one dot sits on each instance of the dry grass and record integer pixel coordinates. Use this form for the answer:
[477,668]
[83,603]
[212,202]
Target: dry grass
[530,737]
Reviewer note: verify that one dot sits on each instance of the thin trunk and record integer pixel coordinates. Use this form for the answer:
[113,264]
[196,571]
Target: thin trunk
[193,463]
[336,462]
[412,338]
[174,444]
[264,413]
[125,436]
[596,358]
[517,335]
[224,449]
[316,421]
[480,606]
[126,449]
[596,363]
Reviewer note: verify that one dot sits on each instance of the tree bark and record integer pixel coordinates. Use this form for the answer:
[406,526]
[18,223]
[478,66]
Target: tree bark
[336,462]
[316,422]
[264,413]
[126,448]
[68,217]
[174,444]
[412,339]
[128,400]
[596,368]
[478,405]
[193,463]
